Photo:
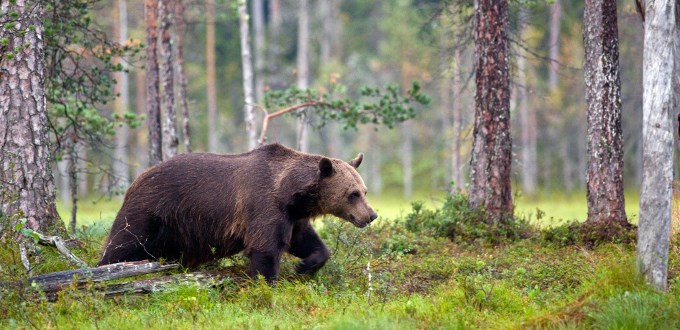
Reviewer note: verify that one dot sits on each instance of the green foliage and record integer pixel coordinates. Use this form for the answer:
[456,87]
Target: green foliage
[464,225]
[589,234]
[379,106]
[80,61]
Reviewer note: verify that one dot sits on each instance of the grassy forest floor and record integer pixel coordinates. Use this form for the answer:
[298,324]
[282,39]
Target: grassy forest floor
[426,265]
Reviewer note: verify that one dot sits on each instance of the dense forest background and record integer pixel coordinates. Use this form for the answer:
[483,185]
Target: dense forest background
[358,43]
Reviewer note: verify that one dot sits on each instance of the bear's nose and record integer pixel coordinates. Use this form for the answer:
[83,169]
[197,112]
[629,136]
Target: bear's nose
[373,216]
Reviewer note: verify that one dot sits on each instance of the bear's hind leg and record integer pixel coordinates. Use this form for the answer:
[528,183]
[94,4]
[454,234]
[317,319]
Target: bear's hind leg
[129,243]
[307,245]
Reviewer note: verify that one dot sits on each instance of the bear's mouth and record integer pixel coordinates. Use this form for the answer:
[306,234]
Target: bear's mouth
[357,223]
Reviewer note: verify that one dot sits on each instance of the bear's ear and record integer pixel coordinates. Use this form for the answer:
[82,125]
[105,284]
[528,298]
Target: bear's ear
[356,161]
[326,167]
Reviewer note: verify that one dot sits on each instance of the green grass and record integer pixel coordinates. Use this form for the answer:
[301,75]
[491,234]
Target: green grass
[415,280]
[559,207]
[91,211]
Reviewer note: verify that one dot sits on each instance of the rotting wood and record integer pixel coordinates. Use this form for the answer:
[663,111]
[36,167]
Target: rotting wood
[53,282]
[158,284]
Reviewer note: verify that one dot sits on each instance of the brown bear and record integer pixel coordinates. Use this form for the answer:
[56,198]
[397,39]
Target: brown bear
[198,207]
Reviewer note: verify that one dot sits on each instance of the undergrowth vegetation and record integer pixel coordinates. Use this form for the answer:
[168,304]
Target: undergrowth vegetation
[443,268]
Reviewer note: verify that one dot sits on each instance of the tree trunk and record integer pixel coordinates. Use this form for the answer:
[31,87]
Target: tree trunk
[582,148]
[492,145]
[374,156]
[259,41]
[329,55]
[63,185]
[407,157]
[28,188]
[303,71]
[660,71]
[121,167]
[141,152]
[167,78]
[446,103]
[249,105]
[153,102]
[528,125]
[211,88]
[554,46]
[181,77]
[73,171]
[457,124]
[527,118]
[603,98]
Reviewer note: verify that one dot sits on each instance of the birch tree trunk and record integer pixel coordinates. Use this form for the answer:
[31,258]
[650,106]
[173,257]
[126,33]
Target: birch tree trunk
[141,147]
[249,106]
[303,71]
[211,88]
[153,102]
[329,55]
[603,98]
[167,78]
[492,143]
[259,41]
[28,188]
[407,157]
[457,123]
[374,156]
[181,77]
[121,167]
[527,119]
[554,46]
[660,71]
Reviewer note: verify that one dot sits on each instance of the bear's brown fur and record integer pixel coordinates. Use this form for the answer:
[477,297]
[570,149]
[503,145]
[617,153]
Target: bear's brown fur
[199,207]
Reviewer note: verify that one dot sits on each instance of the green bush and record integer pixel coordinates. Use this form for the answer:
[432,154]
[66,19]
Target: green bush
[589,234]
[461,224]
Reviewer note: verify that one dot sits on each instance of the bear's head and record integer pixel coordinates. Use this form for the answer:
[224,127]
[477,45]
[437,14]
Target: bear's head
[343,192]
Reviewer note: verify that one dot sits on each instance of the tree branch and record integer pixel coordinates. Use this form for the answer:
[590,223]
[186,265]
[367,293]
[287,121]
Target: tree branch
[269,116]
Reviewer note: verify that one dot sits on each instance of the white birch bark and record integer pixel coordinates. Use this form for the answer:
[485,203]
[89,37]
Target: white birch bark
[259,41]
[659,71]
[249,105]
[167,78]
[303,71]
[121,167]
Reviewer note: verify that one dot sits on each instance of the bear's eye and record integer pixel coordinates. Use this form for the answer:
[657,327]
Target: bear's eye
[354,196]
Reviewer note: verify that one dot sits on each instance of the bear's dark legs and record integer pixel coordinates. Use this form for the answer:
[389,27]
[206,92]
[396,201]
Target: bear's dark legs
[307,245]
[265,264]
[128,243]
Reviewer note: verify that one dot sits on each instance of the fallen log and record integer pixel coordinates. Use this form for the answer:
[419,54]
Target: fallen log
[53,282]
[163,283]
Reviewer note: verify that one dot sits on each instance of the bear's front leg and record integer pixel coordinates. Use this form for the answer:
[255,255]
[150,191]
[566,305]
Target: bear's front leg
[265,263]
[307,245]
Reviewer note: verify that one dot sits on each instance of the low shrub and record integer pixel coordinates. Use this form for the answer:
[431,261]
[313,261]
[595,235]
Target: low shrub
[464,225]
[590,234]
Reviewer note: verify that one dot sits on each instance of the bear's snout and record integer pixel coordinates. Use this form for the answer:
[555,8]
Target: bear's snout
[363,221]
